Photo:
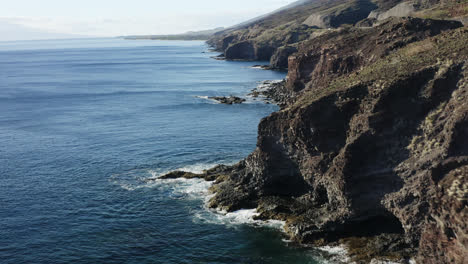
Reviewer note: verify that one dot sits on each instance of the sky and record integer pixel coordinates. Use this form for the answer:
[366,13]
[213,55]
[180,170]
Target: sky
[45,19]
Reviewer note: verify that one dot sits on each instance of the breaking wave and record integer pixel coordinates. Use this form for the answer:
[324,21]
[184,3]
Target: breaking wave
[191,189]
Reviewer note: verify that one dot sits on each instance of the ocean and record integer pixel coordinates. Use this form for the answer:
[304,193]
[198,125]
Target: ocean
[86,127]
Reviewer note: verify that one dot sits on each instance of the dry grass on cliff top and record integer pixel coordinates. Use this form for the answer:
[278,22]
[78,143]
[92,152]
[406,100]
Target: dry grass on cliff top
[445,48]
[450,9]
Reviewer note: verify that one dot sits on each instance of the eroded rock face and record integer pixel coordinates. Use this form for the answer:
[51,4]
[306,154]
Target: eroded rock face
[374,146]
[279,60]
[243,50]
[247,50]
[445,238]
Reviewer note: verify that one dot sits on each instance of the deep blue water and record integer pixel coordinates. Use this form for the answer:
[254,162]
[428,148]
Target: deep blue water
[85,123]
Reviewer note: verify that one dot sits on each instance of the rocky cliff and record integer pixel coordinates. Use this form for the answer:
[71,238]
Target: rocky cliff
[371,148]
[275,37]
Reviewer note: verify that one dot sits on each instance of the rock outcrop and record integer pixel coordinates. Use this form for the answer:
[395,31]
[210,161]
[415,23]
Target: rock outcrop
[245,50]
[346,13]
[273,92]
[279,60]
[228,99]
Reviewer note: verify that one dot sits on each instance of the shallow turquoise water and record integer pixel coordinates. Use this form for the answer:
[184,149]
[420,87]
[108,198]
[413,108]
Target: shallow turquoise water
[85,123]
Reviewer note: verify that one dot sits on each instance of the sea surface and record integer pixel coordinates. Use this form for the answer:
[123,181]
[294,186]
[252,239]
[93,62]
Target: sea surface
[87,126]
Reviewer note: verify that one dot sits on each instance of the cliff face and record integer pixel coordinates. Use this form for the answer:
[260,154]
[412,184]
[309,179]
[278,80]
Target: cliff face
[373,149]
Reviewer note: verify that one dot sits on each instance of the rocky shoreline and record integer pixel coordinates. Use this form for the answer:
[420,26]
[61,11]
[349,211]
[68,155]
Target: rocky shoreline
[269,91]
[369,149]
[272,92]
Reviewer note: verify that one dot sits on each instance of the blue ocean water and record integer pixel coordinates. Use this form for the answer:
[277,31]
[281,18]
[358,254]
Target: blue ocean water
[84,127]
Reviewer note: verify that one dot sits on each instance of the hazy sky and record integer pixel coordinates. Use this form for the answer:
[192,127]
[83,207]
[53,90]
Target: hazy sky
[33,19]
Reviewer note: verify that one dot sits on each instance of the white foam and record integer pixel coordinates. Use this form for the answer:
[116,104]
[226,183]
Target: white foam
[204,97]
[339,255]
[259,67]
[266,85]
[335,250]
[375,261]
[182,188]
[336,254]
[237,218]
[193,188]
[197,168]
[149,178]
[241,217]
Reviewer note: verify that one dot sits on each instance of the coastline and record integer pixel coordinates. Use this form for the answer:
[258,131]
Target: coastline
[285,178]
[274,92]
[83,146]
[200,188]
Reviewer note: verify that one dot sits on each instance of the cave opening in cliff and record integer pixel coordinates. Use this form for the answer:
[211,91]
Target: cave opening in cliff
[376,225]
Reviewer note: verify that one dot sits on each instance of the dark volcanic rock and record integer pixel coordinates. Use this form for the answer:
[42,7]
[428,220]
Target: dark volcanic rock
[248,50]
[217,173]
[279,60]
[228,100]
[242,50]
[180,174]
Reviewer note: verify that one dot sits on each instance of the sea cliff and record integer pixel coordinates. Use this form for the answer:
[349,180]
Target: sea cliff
[370,148]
